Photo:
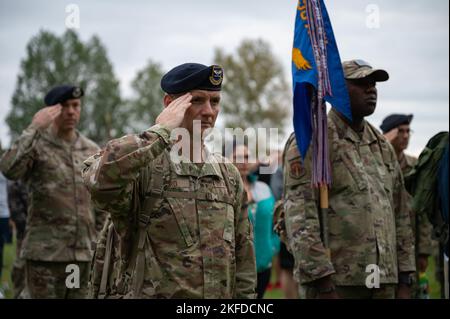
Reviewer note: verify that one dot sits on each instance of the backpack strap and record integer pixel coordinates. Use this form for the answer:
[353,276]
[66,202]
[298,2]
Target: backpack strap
[137,260]
[107,261]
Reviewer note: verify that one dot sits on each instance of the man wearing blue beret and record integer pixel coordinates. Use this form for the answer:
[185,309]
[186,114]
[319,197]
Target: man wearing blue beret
[183,223]
[48,156]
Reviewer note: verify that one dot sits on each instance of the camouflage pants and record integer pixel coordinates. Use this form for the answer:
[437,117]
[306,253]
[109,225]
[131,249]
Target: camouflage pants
[353,292]
[18,276]
[47,280]
[18,269]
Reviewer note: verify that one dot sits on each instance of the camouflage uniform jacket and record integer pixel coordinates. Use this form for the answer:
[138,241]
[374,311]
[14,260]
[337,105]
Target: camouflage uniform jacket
[60,223]
[368,220]
[198,244]
[407,163]
[421,226]
[18,201]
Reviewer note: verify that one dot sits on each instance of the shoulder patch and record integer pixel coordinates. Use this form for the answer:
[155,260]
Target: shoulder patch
[296,168]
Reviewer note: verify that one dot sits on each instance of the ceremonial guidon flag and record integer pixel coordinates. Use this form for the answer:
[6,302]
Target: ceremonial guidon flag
[317,77]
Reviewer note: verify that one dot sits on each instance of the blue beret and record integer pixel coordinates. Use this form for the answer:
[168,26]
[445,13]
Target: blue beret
[395,120]
[62,93]
[192,76]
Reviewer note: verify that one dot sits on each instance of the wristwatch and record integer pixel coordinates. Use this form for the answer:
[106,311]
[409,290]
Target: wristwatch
[405,279]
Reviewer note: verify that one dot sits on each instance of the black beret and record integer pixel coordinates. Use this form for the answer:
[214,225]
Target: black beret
[62,93]
[395,120]
[192,76]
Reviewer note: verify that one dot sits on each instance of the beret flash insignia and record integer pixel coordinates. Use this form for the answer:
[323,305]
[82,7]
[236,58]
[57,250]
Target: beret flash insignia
[216,75]
[76,93]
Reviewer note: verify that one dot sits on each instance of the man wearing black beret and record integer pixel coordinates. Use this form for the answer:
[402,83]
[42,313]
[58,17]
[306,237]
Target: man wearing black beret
[397,130]
[48,156]
[185,221]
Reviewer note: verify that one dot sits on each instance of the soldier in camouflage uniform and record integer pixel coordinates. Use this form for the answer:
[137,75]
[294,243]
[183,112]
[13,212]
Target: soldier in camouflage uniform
[18,206]
[186,222]
[368,219]
[396,129]
[48,156]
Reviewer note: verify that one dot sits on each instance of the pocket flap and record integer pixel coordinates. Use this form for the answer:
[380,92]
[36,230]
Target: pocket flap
[177,209]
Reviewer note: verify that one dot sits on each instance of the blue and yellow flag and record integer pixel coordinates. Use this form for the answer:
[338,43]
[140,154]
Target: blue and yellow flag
[305,72]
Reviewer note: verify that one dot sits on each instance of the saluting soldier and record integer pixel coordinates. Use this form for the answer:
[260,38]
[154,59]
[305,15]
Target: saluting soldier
[61,225]
[183,223]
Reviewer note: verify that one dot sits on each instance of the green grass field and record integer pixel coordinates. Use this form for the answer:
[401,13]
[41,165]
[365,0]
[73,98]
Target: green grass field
[10,251]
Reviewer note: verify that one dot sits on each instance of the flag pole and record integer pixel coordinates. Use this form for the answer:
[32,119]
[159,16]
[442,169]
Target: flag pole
[324,205]
[316,64]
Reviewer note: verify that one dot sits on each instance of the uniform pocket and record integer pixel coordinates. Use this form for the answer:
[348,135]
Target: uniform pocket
[388,177]
[228,231]
[177,209]
[353,170]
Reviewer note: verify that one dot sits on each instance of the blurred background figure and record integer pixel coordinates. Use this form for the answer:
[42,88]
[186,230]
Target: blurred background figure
[18,206]
[285,259]
[260,209]
[429,184]
[5,230]
[397,130]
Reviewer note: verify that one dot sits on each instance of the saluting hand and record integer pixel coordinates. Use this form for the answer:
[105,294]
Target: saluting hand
[391,135]
[46,116]
[173,114]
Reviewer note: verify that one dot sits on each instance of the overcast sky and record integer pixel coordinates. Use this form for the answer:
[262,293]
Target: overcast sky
[411,43]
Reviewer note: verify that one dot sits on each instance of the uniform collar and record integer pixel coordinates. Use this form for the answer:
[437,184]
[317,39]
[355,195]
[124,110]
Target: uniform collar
[80,143]
[51,137]
[345,131]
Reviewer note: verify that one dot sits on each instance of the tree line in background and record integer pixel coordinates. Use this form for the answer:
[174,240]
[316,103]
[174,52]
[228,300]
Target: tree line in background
[255,91]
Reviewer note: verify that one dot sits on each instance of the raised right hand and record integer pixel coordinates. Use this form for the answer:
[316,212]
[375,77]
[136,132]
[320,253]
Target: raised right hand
[391,135]
[46,116]
[172,116]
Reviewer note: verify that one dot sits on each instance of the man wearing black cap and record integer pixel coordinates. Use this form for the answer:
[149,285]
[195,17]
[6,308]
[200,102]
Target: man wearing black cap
[371,252]
[183,223]
[48,156]
[396,128]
